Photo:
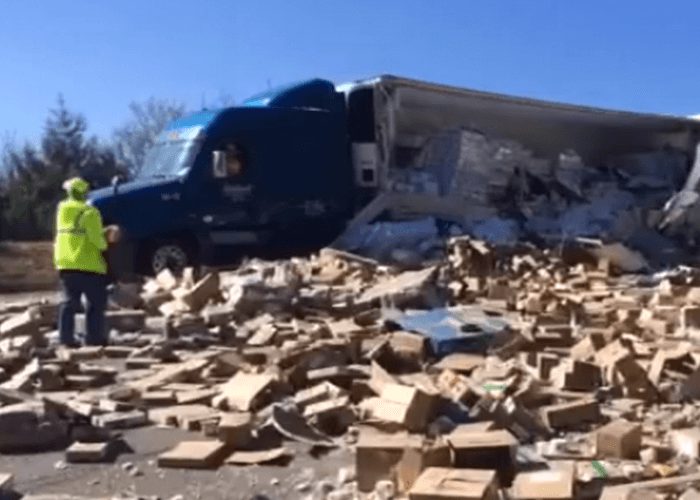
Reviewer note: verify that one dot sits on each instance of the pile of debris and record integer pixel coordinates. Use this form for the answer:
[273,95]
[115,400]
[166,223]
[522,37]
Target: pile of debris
[503,193]
[537,373]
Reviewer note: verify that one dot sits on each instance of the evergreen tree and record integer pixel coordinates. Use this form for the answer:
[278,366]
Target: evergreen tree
[32,183]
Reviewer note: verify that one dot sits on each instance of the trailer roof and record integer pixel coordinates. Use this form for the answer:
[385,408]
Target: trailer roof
[615,117]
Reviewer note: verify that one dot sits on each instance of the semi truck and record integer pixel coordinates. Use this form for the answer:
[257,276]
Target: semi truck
[293,166]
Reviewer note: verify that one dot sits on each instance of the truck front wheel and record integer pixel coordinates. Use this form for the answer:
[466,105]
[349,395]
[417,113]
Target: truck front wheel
[168,255]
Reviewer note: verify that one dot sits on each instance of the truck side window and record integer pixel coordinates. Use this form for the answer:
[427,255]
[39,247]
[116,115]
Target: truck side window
[235,162]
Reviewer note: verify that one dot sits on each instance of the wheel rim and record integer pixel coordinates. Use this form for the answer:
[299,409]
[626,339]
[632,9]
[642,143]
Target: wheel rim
[171,257]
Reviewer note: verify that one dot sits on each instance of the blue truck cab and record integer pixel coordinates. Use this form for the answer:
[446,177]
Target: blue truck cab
[272,174]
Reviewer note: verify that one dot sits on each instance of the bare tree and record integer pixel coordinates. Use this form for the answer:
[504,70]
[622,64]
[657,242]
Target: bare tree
[133,139]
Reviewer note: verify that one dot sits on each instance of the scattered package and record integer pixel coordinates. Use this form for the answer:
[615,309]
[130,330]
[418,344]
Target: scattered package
[544,373]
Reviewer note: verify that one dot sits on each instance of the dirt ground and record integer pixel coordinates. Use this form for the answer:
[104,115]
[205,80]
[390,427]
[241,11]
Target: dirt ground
[26,267]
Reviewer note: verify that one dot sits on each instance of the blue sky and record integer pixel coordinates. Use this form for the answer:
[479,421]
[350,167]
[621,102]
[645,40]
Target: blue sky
[637,55]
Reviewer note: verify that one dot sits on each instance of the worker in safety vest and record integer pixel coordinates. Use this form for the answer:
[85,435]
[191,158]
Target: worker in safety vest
[78,256]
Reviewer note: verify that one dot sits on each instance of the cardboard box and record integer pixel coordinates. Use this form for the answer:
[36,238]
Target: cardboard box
[120,420]
[110,406]
[473,427]
[545,363]
[244,391]
[554,483]
[22,380]
[317,393]
[26,323]
[438,483]
[138,362]
[339,405]
[575,375]
[669,358]
[84,353]
[218,314]
[154,300]
[409,346]
[461,362]
[402,288]
[173,308]
[570,415]
[195,396]
[608,357]
[158,398]
[634,379]
[485,450]
[690,318]
[172,373]
[553,335]
[377,456]
[411,407]
[235,429]
[117,351]
[342,374]
[258,457]
[658,327]
[193,455]
[265,335]
[414,461]
[619,439]
[180,415]
[197,297]
[523,423]
[125,320]
[87,452]
[166,280]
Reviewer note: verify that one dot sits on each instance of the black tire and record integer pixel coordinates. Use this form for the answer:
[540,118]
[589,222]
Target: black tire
[174,255]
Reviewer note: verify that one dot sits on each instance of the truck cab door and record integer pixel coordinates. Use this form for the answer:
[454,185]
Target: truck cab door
[307,178]
[227,204]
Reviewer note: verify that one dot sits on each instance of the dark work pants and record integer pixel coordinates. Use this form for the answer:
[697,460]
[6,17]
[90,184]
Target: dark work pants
[93,286]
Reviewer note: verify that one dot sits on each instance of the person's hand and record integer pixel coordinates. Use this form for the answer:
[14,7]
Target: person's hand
[113,233]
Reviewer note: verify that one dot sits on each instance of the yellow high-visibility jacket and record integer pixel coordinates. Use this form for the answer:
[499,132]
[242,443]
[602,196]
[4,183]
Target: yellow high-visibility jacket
[80,238]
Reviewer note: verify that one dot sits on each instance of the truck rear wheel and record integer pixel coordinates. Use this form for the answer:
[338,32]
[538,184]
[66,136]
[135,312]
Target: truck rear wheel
[169,255]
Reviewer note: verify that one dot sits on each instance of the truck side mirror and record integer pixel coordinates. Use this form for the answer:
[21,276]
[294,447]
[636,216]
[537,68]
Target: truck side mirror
[115,182]
[218,164]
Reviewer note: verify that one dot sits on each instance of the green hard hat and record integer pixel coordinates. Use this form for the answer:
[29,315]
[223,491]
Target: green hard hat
[76,185]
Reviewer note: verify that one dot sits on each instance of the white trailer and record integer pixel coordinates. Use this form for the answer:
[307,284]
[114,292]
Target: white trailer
[405,112]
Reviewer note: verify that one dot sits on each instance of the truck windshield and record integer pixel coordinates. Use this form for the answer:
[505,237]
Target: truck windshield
[169,158]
